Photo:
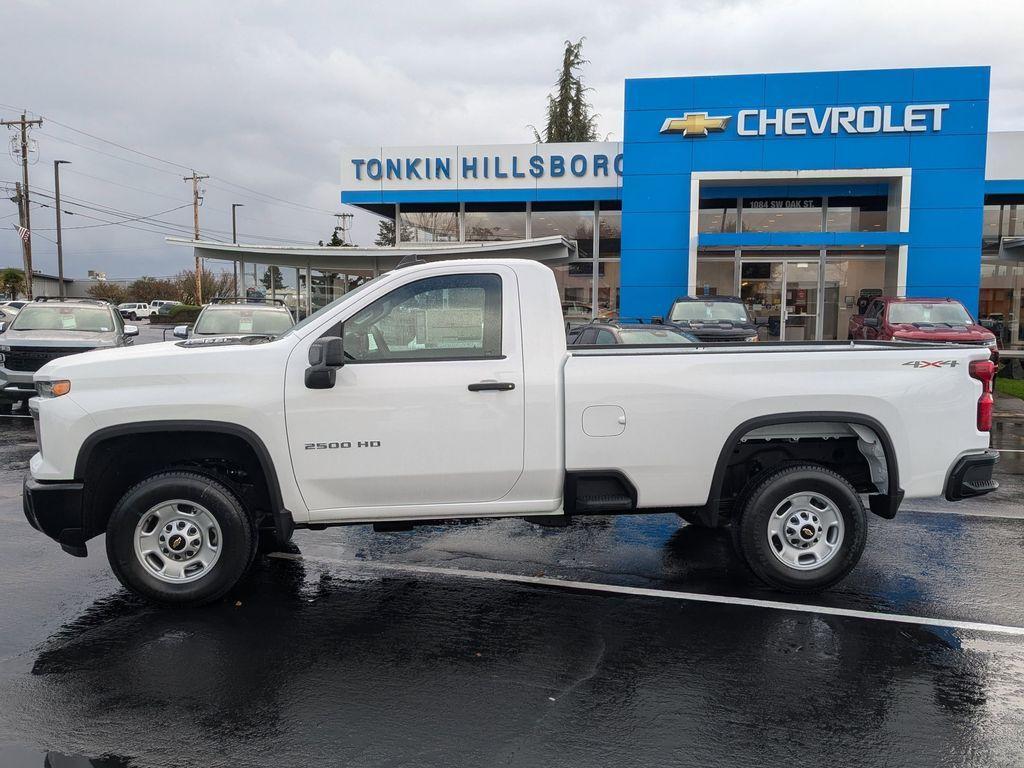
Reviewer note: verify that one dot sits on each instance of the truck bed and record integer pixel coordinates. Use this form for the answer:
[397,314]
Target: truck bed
[680,404]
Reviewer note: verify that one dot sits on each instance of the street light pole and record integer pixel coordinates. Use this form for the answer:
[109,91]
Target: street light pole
[56,205]
[234,239]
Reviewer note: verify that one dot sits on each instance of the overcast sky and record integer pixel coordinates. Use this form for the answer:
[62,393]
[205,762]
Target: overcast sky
[265,94]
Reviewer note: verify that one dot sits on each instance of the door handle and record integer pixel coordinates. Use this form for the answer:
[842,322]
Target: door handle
[498,386]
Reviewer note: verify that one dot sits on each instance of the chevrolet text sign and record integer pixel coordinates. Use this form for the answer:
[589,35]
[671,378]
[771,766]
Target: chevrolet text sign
[803,121]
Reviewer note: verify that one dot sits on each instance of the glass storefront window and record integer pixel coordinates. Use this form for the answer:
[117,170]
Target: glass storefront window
[430,223]
[786,214]
[485,221]
[1001,300]
[574,221]
[868,213]
[574,286]
[716,276]
[608,289]
[717,215]
[610,235]
[850,284]
[990,226]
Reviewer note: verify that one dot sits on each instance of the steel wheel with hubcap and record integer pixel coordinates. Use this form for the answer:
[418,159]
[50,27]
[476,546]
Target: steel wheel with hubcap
[178,541]
[180,537]
[802,528]
[805,530]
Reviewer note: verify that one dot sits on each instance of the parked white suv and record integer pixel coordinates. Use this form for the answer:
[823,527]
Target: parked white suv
[445,390]
[134,311]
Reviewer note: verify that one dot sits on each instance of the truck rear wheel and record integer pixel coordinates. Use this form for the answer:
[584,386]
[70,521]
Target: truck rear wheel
[802,529]
[180,538]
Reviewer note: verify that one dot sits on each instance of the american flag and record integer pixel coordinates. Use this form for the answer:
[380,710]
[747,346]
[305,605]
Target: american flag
[23,233]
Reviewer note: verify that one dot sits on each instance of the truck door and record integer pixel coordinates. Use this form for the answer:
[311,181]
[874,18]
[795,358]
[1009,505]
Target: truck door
[429,406]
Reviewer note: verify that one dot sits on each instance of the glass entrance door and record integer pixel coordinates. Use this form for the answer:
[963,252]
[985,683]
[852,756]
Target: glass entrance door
[801,310]
[762,285]
[782,297]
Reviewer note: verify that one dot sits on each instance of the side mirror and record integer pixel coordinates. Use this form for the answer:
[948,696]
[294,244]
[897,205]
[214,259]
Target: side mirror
[326,356]
[131,330]
[3,327]
[181,331]
[871,322]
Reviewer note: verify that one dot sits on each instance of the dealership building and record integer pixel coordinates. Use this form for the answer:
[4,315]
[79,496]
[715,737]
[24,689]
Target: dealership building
[804,194]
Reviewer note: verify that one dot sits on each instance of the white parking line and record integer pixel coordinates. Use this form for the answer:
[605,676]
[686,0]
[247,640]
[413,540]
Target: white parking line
[587,586]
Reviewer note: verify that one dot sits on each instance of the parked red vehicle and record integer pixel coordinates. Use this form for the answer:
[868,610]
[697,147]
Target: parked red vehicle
[890,318]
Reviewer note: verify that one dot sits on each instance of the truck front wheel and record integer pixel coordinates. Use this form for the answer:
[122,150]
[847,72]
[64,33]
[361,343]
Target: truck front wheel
[180,538]
[803,528]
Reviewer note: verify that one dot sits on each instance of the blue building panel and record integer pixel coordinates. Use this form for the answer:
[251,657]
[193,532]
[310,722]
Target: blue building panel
[931,122]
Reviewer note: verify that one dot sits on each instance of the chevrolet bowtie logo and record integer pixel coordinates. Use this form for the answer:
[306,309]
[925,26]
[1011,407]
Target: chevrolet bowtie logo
[695,124]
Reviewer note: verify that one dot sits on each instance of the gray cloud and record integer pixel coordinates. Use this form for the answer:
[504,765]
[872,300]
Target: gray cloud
[266,94]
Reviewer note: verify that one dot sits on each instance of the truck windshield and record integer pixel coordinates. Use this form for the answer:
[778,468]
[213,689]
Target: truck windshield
[43,318]
[652,336]
[243,319]
[951,312]
[709,311]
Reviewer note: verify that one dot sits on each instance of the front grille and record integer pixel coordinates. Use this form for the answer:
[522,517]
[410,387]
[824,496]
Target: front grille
[34,358]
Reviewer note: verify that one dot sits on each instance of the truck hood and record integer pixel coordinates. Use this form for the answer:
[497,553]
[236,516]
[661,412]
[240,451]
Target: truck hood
[963,334]
[169,360]
[57,339]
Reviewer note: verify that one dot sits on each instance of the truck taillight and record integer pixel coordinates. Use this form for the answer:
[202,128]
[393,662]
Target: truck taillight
[985,372]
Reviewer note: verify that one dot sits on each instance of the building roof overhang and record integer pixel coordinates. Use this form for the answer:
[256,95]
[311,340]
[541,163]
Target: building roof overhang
[371,260]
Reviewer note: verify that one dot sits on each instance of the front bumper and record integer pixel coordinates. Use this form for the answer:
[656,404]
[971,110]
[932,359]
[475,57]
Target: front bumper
[56,509]
[972,476]
[16,385]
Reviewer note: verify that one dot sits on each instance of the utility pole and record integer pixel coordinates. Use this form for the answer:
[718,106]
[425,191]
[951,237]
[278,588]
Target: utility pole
[26,219]
[56,206]
[195,179]
[344,222]
[234,239]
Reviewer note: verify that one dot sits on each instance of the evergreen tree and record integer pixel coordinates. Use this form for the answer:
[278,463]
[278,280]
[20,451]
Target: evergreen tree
[569,116]
[272,278]
[386,233]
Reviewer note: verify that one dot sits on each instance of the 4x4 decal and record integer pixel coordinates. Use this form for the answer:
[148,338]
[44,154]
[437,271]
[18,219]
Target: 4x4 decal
[932,363]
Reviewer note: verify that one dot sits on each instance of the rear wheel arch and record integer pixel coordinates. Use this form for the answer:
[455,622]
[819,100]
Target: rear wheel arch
[883,504]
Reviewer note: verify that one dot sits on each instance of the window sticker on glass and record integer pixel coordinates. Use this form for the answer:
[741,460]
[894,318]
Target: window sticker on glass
[67,322]
[245,324]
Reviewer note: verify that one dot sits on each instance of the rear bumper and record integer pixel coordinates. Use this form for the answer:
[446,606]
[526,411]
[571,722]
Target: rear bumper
[972,476]
[56,510]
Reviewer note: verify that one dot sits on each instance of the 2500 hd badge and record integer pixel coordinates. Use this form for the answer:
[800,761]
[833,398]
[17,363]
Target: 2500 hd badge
[343,444]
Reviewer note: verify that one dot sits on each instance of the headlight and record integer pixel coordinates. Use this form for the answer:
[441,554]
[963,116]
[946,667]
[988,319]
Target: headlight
[53,388]
[5,348]
[755,337]
[991,343]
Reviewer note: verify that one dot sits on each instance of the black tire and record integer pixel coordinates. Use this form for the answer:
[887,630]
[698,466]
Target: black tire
[237,544]
[6,408]
[750,533]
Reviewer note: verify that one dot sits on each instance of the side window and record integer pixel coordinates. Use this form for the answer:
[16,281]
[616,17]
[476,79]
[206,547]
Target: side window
[605,337]
[449,316]
[875,310]
[589,336]
[573,337]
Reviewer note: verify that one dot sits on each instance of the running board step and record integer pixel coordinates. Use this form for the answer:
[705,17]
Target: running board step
[601,505]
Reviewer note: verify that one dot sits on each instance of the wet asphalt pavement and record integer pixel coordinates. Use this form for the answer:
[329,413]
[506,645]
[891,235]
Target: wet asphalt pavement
[363,649]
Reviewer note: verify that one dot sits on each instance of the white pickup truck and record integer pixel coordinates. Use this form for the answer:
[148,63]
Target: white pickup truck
[444,390]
